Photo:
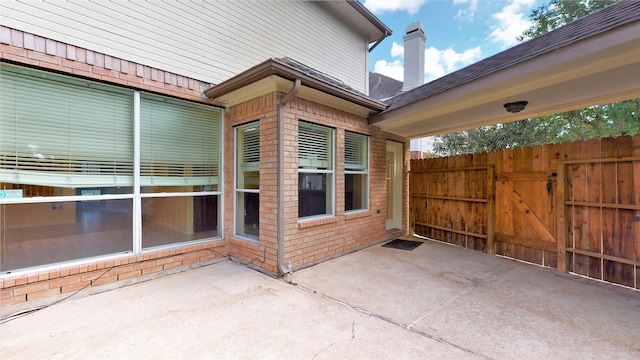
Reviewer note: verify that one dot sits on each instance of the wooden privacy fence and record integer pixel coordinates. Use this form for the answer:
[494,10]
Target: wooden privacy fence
[573,206]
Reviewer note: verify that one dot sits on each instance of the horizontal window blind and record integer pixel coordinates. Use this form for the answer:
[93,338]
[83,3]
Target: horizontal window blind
[250,139]
[314,146]
[179,142]
[355,151]
[64,132]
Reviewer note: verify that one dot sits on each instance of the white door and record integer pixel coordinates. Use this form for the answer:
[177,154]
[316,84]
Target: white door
[394,185]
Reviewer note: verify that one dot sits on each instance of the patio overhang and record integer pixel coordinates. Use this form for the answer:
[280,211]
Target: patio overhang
[595,70]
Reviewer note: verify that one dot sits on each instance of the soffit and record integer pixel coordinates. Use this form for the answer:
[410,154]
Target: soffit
[594,60]
[359,18]
[273,83]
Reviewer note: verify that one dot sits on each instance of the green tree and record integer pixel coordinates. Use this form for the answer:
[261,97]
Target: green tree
[615,119]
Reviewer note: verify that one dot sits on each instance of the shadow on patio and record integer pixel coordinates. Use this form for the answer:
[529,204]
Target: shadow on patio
[436,301]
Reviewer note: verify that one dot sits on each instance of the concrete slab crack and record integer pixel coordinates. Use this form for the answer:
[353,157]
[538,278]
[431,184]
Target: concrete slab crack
[353,336]
[392,322]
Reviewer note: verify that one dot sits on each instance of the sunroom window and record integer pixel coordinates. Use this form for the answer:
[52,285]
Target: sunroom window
[179,170]
[315,170]
[71,184]
[66,169]
[248,180]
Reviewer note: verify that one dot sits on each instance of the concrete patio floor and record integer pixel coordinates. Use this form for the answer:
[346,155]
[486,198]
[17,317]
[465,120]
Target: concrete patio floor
[437,301]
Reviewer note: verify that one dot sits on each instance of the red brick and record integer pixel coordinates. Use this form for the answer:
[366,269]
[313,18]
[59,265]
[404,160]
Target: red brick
[121,270]
[105,280]
[20,52]
[132,79]
[75,287]
[65,281]
[152,269]
[5,294]
[13,300]
[129,275]
[44,57]
[30,288]
[42,294]
[93,275]
[9,283]
[105,72]
[172,265]
[165,261]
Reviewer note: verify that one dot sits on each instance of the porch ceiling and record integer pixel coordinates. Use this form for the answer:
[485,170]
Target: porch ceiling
[596,70]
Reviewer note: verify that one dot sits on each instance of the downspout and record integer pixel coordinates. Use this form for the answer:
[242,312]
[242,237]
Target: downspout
[280,239]
[384,36]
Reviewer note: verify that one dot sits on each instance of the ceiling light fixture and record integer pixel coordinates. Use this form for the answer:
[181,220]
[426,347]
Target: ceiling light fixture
[515,107]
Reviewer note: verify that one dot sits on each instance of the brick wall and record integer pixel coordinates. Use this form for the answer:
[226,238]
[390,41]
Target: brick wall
[27,49]
[62,281]
[262,255]
[306,242]
[309,241]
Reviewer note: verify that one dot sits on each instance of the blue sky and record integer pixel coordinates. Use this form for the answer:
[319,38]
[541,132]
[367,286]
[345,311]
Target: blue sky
[459,32]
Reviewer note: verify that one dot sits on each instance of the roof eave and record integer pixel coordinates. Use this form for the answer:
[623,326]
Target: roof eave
[369,16]
[273,67]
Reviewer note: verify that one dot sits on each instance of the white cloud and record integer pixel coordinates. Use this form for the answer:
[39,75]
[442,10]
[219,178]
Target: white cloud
[410,6]
[397,50]
[437,62]
[512,21]
[468,13]
[393,69]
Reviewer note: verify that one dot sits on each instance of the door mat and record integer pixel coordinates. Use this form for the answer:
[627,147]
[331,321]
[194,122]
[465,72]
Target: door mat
[402,244]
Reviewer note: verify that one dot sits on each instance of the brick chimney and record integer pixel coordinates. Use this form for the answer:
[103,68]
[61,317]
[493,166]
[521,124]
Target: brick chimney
[413,56]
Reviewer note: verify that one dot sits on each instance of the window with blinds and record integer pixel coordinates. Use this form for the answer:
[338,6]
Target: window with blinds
[356,168]
[314,146]
[247,217]
[315,170]
[64,132]
[355,151]
[249,137]
[179,143]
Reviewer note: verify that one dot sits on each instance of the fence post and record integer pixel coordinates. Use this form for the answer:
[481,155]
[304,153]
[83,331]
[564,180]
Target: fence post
[491,209]
[561,228]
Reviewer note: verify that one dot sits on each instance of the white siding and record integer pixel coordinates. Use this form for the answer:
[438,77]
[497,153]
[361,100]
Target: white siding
[206,40]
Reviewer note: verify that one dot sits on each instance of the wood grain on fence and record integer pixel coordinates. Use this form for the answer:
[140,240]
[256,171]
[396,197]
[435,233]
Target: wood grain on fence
[573,206]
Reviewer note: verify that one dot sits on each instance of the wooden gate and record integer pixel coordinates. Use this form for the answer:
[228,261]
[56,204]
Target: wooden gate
[454,204]
[601,212]
[525,204]
[574,206]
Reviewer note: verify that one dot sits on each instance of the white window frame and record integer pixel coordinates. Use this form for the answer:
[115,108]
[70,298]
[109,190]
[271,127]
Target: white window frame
[237,190]
[136,195]
[364,172]
[310,170]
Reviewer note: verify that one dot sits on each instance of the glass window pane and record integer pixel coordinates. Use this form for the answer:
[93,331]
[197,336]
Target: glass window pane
[314,194]
[47,233]
[247,219]
[315,146]
[179,144]
[248,178]
[356,151]
[59,132]
[171,220]
[355,192]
